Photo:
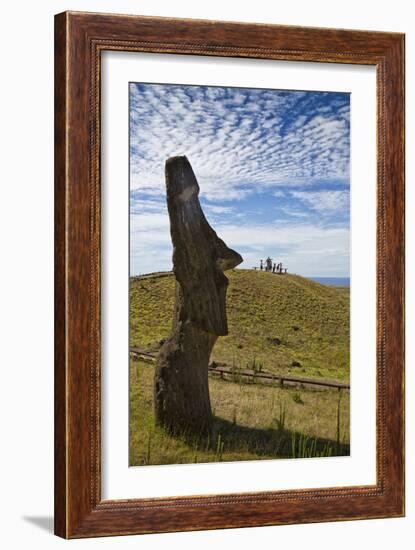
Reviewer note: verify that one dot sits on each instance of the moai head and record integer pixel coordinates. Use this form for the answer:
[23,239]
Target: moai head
[199,256]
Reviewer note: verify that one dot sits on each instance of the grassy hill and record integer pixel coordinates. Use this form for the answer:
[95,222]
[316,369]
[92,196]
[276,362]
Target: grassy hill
[286,324]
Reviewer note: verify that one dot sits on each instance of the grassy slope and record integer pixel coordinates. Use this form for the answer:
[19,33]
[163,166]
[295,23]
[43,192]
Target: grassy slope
[261,306]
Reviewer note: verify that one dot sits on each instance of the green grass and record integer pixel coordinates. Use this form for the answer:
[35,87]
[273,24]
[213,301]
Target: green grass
[281,324]
[275,321]
[251,422]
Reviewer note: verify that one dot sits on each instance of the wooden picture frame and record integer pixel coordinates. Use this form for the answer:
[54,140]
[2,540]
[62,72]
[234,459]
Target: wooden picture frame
[79,40]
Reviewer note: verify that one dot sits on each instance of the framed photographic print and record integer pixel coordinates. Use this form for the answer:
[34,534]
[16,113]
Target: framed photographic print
[229,275]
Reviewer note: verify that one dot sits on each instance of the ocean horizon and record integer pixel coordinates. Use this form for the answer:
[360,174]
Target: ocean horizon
[331,281]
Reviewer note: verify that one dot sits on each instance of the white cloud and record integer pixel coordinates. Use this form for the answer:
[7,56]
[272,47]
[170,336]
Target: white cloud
[216,209]
[325,202]
[243,144]
[236,138]
[304,248]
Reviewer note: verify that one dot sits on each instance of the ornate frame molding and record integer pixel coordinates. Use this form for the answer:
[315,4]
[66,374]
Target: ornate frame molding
[79,40]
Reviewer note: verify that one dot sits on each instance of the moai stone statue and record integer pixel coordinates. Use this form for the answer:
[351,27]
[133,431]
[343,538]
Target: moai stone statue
[181,389]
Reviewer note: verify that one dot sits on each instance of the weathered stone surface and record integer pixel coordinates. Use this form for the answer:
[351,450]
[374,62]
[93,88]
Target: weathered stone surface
[181,390]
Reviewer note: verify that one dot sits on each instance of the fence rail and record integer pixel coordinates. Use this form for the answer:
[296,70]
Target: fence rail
[153,275]
[282,379]
[144,354]
[257,376]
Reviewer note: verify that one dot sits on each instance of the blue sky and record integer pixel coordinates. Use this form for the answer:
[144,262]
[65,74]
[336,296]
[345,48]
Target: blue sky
[272,166]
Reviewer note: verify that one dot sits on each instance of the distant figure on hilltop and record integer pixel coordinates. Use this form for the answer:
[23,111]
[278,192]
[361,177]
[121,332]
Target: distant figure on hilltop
[271,267]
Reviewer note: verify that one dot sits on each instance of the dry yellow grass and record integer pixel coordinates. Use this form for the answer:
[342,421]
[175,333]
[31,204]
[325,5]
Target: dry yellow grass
[251,422]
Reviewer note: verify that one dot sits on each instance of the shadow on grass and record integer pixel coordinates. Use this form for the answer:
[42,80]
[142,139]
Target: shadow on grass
[229,437]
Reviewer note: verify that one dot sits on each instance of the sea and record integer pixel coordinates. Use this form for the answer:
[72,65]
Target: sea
[332,281]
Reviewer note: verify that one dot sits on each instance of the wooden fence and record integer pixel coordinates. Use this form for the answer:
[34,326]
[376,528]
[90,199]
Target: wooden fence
[255,376]
[280,379]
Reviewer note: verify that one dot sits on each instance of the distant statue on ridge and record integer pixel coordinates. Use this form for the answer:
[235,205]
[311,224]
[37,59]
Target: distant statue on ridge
[181,389]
